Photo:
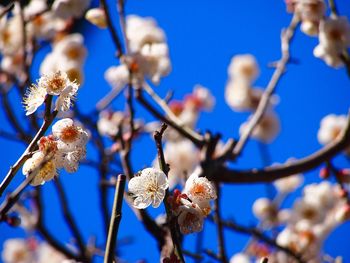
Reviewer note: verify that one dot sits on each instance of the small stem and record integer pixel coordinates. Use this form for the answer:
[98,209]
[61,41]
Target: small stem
[115,219]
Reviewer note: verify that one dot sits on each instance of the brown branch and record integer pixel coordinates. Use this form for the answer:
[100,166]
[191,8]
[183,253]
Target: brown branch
[43,231]
[286,38]
[112,29]
[230,224]
[165,168]
[69,218]
[48,119]
[197,139]
[115,219]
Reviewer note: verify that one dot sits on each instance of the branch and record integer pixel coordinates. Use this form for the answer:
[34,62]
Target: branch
[258,235]
[69,218]
[165,168]
[112,29]
[115,219]
[48,119]
[271,173]
[286,38]
[6,9]
[196,138]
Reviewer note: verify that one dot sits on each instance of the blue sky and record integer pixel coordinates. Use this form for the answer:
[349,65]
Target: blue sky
[202,38]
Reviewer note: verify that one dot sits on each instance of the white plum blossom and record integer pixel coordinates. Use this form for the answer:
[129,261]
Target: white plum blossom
[148,187]
[34,98]
[70,134]
[331,127]
[44,168]
[201,99]
[265,210]
[70,8]
[17,250]
[334,38]
[108,122]
[97,17]
[47,253]
[267,129]
[200,191]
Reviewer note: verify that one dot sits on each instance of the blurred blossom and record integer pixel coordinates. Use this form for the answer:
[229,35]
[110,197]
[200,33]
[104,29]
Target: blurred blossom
[70,8]
[97,17]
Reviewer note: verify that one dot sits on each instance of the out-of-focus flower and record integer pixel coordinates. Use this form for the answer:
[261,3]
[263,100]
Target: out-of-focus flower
[267,129]
[240,258]
[149,55]
[289,184]
[70,8]
[243,67]
[97,17]
[265,210]
[108,122]
[204,99]
[148,187]
[311,12]
[334,38]
[331,127]
[16,250]
[47,253]
[117,76]
[182,157]
[44,169]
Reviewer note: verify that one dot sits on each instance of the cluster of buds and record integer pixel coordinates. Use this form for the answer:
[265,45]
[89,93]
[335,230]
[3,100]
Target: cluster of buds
[240,96]
[65,148]
[333,32]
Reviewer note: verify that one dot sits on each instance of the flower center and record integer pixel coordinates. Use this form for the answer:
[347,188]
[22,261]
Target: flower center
[57,83]
[69,134]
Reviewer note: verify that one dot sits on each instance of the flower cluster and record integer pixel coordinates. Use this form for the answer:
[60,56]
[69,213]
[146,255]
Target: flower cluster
[63,149]
[29,251]
[57,84]
[333,32]
[306,224]
[191,206]
[148,54]
[240,96]
[41,23]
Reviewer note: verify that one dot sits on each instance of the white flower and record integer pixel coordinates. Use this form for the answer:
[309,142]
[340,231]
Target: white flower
[331,127]
[16,250]
[117,76]
[67,96]
[244,67]
[72,47]
[334,38]
[97,17]
[289,184]
[29,218]
[267,129]
[45,170]
[237,95]
[34,98]
[149,188]
[47,253]
[54,83]
[191,218]
[306,211]
[70,8]
[109,122]
[240,258]
[70,134]
[321,195]
[205,100]
[34,7]
[264,209]
[149,52]
[69,160]
[200,191]
[10,38]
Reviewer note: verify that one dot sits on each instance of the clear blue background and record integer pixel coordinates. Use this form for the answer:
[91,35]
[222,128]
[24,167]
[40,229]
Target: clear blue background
[202,37]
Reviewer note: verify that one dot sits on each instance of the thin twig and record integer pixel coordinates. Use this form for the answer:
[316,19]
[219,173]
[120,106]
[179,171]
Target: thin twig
[165,168]
[115,219]
[48,119]
[286,38]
